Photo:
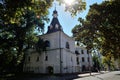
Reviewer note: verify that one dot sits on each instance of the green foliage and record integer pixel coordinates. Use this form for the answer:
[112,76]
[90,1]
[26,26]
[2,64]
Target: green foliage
[76,7]
[96,62]
[101,29]
[82,33]
[18,22]
[108,61]
[40,45]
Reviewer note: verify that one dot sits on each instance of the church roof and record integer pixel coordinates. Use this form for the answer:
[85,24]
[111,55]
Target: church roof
[55,24]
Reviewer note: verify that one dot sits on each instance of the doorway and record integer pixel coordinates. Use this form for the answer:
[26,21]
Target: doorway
[50,70]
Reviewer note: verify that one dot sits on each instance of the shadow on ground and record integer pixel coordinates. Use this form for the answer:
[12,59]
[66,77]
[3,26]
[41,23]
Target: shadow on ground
[117,74]
[41,77]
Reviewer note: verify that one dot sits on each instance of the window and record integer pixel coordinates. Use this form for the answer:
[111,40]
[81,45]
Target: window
[76,52]
[29,59]
[88,59]
[83,60]
[67,45]
[77,59]
[83,68]
[71,59]
[46,58]
[37,59]
[56,26]
[47,43]
[51,26]
[82,51]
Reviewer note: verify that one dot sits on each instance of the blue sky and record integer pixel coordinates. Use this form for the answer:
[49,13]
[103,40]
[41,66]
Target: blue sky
[66,20]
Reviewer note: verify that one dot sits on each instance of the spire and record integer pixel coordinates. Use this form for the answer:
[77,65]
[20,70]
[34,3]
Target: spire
[55,6]
[55,14]
[55,25]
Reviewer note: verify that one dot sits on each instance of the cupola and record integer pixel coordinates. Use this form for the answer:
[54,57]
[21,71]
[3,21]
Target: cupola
[55,25]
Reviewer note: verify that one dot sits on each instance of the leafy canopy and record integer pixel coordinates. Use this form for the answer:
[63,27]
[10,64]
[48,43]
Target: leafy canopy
[101,28]
[18,21]
[75,7]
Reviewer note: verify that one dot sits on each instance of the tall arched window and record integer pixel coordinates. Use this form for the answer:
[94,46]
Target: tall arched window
[47,43]
[67,45]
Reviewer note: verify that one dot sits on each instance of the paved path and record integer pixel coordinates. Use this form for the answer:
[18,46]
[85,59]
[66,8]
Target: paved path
[107,76]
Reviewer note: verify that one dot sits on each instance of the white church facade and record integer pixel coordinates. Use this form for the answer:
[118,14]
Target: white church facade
[61,55]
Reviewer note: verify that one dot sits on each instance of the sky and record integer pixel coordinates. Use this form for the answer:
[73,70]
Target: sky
[66,20]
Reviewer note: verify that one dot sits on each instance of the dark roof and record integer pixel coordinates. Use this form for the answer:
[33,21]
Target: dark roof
[55,25]
[54,12]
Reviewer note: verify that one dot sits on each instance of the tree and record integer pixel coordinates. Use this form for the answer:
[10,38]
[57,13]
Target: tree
[96,63]
[108,61]
[18,22]
[101,28]
[75,7]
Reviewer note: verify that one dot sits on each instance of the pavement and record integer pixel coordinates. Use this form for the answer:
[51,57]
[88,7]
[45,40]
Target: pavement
[113,75]
[92,73]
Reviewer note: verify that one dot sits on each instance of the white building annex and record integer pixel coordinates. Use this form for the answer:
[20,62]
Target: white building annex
[85,59]
[61,55]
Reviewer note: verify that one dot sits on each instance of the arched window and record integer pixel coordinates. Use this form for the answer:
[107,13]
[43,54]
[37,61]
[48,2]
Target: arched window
[67,45]
[46,58]
[47,43]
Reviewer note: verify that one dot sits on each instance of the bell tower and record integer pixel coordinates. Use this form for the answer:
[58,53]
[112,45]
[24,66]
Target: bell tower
[55,25]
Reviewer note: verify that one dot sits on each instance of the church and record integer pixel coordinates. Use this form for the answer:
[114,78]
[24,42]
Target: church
[61,56]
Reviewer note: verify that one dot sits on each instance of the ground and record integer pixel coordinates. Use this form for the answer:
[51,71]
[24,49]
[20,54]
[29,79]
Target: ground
[107,76]
[114,75]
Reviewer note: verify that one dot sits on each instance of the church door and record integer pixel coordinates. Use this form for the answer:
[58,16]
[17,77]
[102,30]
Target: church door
[50,70]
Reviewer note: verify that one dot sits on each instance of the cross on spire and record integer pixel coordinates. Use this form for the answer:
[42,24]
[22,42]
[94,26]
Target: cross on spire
[55,25]
[55,5]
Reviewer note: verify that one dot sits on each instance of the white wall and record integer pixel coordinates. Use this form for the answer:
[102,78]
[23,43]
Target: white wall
[53,38]
[85,55]
[41,65]
[65,38]
[69,61]
[68,56]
